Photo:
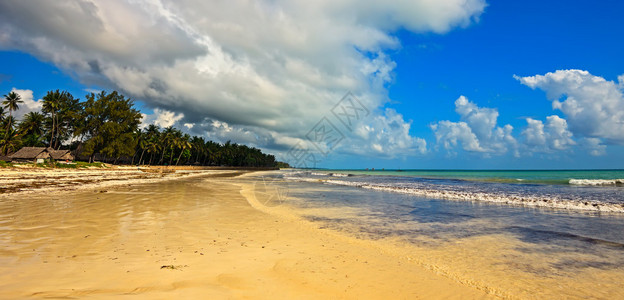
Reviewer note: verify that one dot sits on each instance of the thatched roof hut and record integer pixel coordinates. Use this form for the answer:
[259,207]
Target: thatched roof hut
[60,154]
[40,154]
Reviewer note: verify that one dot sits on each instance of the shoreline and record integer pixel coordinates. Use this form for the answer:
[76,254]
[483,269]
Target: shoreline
[508,251]
[25,180]
[512,198]
[198,237]
[391,249]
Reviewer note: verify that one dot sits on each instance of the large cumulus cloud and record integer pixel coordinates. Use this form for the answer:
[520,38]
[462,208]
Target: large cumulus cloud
[269,67]
[592,105]
[476,132]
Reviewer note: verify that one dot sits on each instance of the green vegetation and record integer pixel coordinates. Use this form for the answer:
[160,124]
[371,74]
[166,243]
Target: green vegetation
[106,127]
[65,166]
[4,164]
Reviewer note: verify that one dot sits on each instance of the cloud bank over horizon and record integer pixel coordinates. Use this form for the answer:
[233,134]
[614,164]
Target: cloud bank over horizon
[262,72]
[265,72]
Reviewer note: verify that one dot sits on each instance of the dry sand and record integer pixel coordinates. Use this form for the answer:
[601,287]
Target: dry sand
[192,238]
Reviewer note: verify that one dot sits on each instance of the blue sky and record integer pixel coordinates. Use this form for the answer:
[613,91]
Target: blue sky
[275,70]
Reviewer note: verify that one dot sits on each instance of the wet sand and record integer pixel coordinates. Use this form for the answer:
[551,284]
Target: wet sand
[494,248]
[194,238]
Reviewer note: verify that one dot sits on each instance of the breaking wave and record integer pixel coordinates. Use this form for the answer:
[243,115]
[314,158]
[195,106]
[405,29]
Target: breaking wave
[549,201]
[597,182]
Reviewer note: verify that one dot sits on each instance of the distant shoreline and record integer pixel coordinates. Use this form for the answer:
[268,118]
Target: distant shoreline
[29,179]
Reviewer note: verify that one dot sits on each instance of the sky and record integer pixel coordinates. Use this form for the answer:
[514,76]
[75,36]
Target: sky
[448,84]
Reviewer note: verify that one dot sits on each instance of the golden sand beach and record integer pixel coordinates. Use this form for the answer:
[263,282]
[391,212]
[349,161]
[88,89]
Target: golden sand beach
[201,237]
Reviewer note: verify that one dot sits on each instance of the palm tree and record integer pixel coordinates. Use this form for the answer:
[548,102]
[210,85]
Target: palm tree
[31,129]
[175,142]
[184,143]
[152,147]
[165,140]
[139,138]
[7,123]
[51,103]
[11,102]
[199,147]
[32,140]
[10,142]
[32,123]
[63,112]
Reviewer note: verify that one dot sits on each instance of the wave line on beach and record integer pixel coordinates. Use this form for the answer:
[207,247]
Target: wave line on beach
[500,198]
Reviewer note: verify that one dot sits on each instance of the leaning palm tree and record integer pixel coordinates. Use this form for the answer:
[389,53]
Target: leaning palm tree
[7,123]
[184,143]
[11,102]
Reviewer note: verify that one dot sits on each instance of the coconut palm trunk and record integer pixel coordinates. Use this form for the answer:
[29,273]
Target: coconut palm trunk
[180,156]
[171,156]
[53,127]
[141,158]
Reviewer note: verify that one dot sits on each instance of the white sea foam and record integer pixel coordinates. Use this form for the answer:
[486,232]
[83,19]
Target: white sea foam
[318,174]
[339,175]
[512,199]
[613,182]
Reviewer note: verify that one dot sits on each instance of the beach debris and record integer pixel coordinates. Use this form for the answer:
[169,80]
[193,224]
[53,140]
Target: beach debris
[172,267]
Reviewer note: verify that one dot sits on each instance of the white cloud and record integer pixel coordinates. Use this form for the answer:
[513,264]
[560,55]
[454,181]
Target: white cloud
[549,138]
[594,146]
[451,134]
[476,132]
[274,66]
[385,135]
[162,118]
[29,105]
[593,106]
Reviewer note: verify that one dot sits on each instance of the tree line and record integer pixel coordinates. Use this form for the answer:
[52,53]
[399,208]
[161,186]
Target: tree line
[106,127]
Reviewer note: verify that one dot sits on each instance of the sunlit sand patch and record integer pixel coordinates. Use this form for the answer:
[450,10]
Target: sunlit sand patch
[212,243]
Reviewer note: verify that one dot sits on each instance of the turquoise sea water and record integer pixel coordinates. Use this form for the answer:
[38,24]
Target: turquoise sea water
[578,177]
[589,190]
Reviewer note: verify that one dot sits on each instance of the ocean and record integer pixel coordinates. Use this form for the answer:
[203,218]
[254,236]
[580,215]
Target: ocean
[526,234]
[593,190]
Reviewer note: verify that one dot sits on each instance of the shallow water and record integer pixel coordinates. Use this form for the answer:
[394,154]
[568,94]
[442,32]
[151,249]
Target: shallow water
[602,198]
[518,251]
